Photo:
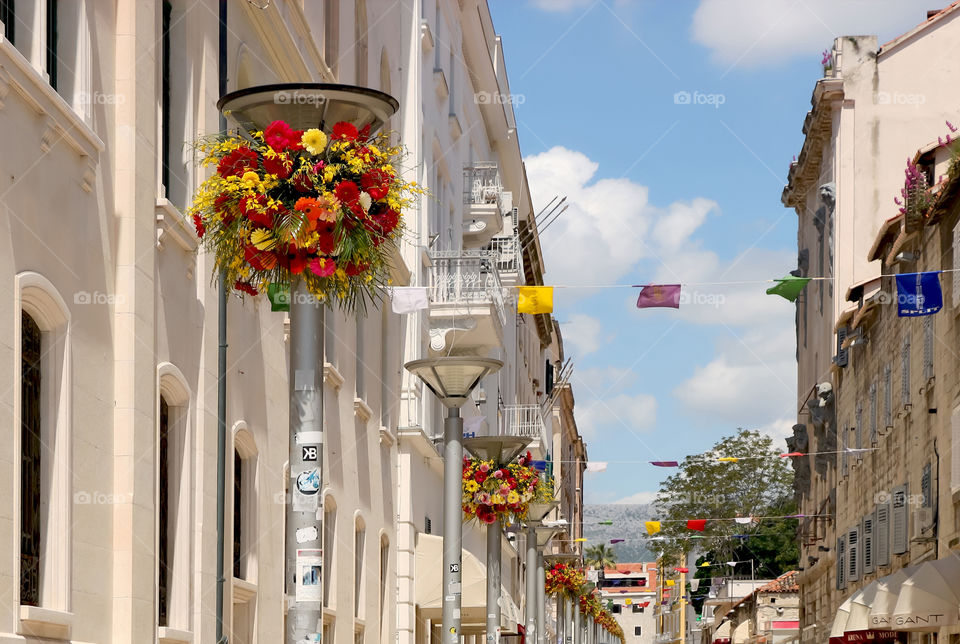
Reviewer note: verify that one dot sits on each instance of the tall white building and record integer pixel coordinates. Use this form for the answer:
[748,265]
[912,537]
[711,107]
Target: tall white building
[108,321]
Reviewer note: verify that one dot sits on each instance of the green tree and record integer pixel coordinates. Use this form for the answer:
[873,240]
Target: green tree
[600,556]
[757,483]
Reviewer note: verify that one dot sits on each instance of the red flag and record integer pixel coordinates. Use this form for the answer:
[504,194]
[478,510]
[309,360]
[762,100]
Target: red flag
[683,570]
[786,454]
[665,463]
[659,296]
[697,524]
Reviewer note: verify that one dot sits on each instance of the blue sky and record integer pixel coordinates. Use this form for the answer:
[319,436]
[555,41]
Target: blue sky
[665,190]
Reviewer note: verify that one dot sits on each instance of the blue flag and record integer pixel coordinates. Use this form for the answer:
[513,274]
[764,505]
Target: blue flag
[918,294]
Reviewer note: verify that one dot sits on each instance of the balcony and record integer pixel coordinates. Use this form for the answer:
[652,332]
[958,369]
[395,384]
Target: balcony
[467,311]
[509,257]
[484,202]
[527,421]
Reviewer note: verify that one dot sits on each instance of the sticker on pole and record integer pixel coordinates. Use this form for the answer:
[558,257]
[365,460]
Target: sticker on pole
[309,452]
[306,491]
[309,575]
[454,567]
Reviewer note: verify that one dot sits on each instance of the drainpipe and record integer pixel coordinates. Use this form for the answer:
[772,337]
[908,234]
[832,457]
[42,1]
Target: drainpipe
[221,354]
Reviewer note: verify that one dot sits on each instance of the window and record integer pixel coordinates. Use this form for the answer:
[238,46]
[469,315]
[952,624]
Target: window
[926,489]
[384,576]
[329,548]
[53,63]
[42,408]
[66,49]
[927,348]
[888,396]
[174,162]
[237,514]
[359,543]
[905,371]
[427,525]
[31,350]
[616,608]
[636,631]
[331,36]
[8,18]
[163,512]
[360,42]
[873,415]
[244,506]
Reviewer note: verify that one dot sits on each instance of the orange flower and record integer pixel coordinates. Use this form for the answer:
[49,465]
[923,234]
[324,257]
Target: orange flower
[315,210]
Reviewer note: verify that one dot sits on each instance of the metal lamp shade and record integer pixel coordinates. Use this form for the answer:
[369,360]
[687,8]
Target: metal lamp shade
[499,449]
[452,379]
[308,105]
[536,511]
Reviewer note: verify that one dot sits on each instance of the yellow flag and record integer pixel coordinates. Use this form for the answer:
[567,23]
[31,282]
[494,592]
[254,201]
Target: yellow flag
[653,527]
[628,601]
[670,582]
[535,299]
[728,459]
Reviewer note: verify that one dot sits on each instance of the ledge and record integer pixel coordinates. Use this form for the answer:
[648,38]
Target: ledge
[362,410]
[440,84]
[332,376]
[243,590]
[387,437]
[426,36]
[45,622]
[167,635]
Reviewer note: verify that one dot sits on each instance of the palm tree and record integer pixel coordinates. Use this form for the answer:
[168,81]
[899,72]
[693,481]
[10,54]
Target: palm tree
[600,556]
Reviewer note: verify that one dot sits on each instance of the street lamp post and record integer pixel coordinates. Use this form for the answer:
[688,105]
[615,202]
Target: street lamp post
[304,106]
[535,514]
[452,379]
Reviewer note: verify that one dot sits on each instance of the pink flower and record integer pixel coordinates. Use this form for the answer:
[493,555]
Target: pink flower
[484,467]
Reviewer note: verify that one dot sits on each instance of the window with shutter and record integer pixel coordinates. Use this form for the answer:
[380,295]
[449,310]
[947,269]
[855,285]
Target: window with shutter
[881,535]
[905,371]
[841,562]
[867,542]
[841,358]
[925,491]
[859,426]
[887,397]
[853,554]
[899,520]
[927,348]
[873,415]
[955,449]
[956,265]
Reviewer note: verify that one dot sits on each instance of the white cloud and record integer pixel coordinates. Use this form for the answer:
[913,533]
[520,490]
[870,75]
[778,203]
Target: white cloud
[639,497]
[600,381]
[560,6]
[631,412]
[750,382]
[761,32]
[583,334]
[610,224]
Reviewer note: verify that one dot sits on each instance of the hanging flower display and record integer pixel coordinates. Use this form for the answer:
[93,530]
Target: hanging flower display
[491,491]
[286,204]
[565,580]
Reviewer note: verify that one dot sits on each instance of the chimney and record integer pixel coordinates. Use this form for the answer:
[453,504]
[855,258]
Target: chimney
[932,12]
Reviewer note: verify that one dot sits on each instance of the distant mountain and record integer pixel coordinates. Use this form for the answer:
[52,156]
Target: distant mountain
[627,524]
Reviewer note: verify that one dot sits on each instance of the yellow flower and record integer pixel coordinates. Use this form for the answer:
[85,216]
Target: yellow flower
[471,486]
[513,497]
[263,239]
[250,179]
[314,141]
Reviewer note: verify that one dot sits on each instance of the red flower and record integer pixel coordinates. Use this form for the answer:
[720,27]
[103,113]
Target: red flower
[198,223]
[237,162]
[245,287]
[355,268]
[345,131]
[376,182]
[298,262]
[303,182]
[281,136]
[347,192]
[224,205]
[323,266]
[480,477]
[364,133]
[278,166]
[260,260]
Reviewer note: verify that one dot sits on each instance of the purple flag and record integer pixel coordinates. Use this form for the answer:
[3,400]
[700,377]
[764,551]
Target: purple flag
[665,463]
[659,296]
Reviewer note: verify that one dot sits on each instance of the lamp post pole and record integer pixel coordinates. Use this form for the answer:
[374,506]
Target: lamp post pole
[577,624]
[452,523]
[532,632]
[493,582]
[541,601]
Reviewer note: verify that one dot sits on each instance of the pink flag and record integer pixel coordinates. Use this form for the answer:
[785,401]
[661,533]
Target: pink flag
[659,296]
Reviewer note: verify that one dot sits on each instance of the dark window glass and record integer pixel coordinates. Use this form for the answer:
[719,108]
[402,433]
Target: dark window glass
[163,526]
[8,18]
[165,97]
[52,7]
[237,498]
[30,447]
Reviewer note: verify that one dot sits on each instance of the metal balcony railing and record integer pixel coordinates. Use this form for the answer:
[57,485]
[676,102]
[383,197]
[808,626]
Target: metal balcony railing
[466,277]
[481,184]
[508,254]
[526,420]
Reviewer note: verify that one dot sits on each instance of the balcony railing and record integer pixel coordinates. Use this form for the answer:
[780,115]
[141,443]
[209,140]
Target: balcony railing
[526,420]
[481,184]
[507,251]
[466,277]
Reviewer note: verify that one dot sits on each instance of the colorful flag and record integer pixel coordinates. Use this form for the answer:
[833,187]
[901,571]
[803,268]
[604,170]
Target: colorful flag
[785,455]
[694,585]
[616,541]
[683,570]
[644,604]
[918,294]
[670,582]
[279,296]
[596,466]
[728,459]
[659,296]
[743,520]
[665,463]
[697,524]
[409,299]
[788,287]
[653,527]
[627,601]
[535,299]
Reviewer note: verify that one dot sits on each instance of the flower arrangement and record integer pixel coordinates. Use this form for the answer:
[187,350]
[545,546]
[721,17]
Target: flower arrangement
[591,606]
[915,199]
[286,204]
[491,491]
[826,61]
[564,580]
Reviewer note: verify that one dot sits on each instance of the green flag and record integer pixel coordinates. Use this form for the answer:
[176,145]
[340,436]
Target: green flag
[279,296]
[788,287]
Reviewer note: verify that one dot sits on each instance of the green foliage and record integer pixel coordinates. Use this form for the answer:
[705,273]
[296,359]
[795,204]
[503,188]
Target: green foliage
[706,488]
[600,556]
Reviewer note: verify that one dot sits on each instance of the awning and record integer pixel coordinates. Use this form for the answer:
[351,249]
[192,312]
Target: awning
[840,622]
[722,634]
[473,598]
[860,603]
[741,633]
[930,597]
[888,588]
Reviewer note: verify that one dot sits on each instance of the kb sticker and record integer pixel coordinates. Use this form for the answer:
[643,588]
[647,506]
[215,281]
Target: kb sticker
[309,452]
[308,482]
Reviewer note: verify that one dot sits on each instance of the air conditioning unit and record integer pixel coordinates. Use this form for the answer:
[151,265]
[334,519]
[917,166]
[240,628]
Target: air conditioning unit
[922,524]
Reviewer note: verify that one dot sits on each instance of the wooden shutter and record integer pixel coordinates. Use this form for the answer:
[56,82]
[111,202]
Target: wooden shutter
[881,535]
[905,371]
[888,396]
[841,359]
[853,554]
[899,519]
[955,448]
[874,436]
[859,427]
[841,562]
[868,543]
[927,348]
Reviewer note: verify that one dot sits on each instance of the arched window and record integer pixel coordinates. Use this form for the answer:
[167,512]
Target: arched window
[244,552]
[384,580]
[329,549]
[359,552]
[42,408]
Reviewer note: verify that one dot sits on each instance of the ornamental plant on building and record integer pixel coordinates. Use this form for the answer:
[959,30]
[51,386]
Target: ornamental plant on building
[286,204]
[564,580]
[492,491]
